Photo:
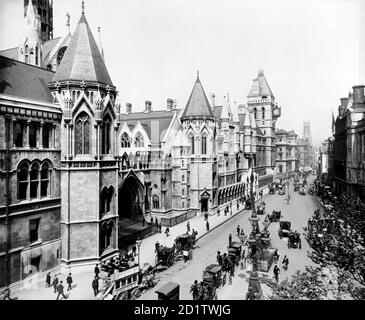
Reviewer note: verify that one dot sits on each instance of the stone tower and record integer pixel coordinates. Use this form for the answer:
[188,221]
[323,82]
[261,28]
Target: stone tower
[199,125]
[44,8]
[306,131]
[30,49]
[261,103]
[89,170]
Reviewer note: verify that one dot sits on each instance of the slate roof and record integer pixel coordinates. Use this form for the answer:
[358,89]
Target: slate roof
[198,105]
[260,86]
[82,60]
[24,80]
[153,122]
[281,131]
[292,133]
[11,53]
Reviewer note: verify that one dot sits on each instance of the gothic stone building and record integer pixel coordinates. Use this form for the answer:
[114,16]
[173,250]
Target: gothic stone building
[79,171]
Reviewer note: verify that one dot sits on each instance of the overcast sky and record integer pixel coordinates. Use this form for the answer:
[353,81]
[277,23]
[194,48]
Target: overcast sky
[312,52]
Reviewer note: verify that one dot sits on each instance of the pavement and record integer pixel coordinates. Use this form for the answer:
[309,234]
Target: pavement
[82,289]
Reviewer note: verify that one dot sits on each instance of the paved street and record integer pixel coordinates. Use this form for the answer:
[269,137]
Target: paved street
[297,211]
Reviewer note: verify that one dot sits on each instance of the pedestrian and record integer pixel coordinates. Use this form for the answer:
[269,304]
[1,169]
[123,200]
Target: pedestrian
[134,250]
[157,245]
[238,205]
[48,280]
[218,213]
[219,258]
[60,291]
[156,222]
[167,231]
[95,286]
[276,256]
[238,230]
[160,228]
[188,226]
[143,222]
[97,271]
[250,295]
[69,282]
[225,212]
[185,255]
[231,267]
[230,238]
[285,263]
[206,216]
[276,273]
[207,225]
[194,289]
[55,283]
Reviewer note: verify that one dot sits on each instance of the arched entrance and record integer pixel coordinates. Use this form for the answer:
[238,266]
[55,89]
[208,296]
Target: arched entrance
[131,200]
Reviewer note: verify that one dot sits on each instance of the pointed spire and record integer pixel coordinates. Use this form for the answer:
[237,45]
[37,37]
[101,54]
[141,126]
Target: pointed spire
[198,105]
[68,21]
[197,74]
[100,44]
[83,7]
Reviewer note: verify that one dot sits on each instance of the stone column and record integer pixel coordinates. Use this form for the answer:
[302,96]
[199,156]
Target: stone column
[54,136]
[12,137]
[41,135]
[28,180]
[27,135]
[70,146]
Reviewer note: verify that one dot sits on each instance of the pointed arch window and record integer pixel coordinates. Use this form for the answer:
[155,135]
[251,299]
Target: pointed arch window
[255,113]
[82,134]
[155,202]
[192,144]
[45,178]
[23,181]
[263,113]
[106,134]
[18,135]
[139,140]
[26,54]
[204,144]
[125,142]
[34,180]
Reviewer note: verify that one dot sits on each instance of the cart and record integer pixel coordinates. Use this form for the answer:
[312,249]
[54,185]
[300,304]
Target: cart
[272,190]
[170,291]
[274,216]
[281,189]
[260,209]
[294,240]
[234,252]
[213,274]
[165,256]
[284,229]
[302,191]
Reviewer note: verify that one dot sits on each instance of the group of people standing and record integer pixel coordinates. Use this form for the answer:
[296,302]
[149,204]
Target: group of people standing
[58,285]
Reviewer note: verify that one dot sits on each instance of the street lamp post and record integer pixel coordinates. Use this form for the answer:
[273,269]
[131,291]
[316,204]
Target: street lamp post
[138,243]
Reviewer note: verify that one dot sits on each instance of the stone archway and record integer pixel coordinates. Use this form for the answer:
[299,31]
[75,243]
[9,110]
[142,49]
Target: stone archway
[131,199]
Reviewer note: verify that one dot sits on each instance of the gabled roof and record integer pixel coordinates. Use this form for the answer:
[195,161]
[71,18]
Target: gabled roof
[292,133]
[82,60]
[11,53]
[260,86]
[281,131]
[198,105]
[24,80]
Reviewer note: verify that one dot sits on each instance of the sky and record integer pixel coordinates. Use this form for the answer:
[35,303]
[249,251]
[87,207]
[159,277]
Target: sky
[312,51]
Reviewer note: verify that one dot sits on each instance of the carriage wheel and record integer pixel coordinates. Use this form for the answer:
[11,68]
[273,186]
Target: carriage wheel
[136,293]
[122,296]
[169,260]
[156,260]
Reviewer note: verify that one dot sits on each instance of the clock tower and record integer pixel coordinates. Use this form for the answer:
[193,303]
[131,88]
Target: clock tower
[261,102]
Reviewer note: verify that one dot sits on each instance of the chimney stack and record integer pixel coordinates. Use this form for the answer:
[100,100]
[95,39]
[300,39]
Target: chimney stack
[212,100]
[342,107]
[358,94]
[148,105]
[128,108]
[170,104]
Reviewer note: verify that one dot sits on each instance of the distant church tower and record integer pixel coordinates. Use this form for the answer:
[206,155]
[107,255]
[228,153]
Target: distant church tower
[30,49]
[44,8]
[306,131]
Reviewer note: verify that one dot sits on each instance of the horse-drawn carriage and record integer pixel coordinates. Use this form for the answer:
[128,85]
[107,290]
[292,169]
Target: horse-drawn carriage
[302,191]
[294,240]
[234,252]
[284,228]
[165,256]
[248,204]
[274,216]
[272,190]
[296,186]
[212,279]
[185,242]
